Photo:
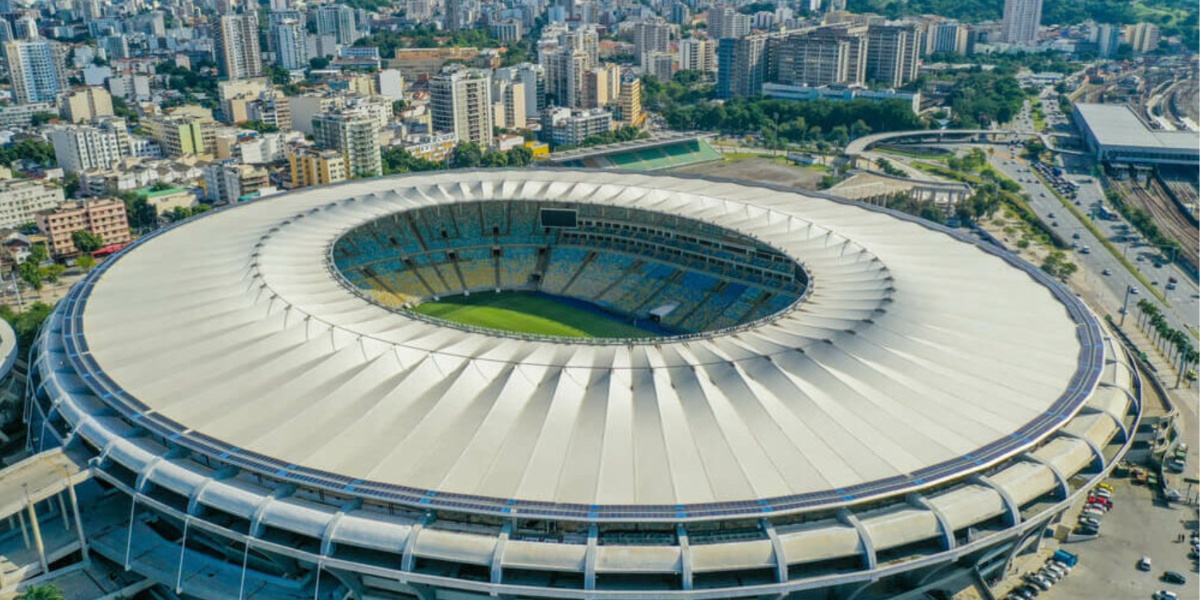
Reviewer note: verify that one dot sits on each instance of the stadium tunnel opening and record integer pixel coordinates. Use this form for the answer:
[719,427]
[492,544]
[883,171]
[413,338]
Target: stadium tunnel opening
[554,269]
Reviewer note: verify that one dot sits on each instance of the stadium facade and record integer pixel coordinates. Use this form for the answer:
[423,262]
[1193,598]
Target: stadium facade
[262,416]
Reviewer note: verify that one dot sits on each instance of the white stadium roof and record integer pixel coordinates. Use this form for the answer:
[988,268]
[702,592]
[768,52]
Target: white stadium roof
[916,357]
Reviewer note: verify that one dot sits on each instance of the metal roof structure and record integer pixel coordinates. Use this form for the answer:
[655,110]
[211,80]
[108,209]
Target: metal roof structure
[917,357]
[1118,125]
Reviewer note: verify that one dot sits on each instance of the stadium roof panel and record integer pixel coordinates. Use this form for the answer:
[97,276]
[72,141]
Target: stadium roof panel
[1118,125]
[916,348]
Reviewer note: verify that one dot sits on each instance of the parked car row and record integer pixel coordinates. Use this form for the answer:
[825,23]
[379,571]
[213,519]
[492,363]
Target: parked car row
[1099,502]
[1034,583]
[1177,462]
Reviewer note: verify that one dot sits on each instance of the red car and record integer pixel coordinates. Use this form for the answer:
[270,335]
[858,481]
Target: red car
[1098,500]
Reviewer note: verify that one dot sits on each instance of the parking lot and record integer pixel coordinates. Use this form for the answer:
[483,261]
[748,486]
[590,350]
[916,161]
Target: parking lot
[1137,526]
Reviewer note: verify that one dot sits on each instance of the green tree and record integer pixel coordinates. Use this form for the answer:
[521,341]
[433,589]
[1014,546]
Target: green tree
[26,323]
[87,242]
[85,262]
[42,592]
[141,214]
[31,274]
[52,272]
[466,155]
[493,159]
[38,254]
[520,156]
[42,118]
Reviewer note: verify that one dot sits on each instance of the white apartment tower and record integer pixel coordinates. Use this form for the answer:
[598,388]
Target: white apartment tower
[235,40]
[1021,20]
[461,103]
[37,70]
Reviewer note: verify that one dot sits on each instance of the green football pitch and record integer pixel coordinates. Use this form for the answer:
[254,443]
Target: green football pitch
[528,312]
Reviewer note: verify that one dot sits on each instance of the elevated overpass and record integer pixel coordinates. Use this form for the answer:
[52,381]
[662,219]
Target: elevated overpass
[861,145]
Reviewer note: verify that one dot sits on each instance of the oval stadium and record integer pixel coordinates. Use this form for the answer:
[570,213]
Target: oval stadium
[559,383]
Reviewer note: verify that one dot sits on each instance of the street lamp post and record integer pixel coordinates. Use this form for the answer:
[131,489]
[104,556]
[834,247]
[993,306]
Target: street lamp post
[1129,291]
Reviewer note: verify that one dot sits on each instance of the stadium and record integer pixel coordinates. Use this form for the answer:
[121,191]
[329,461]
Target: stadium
[573,384]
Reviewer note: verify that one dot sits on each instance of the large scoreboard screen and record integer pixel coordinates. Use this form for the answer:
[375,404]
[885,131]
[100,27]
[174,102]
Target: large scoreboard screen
[559,217]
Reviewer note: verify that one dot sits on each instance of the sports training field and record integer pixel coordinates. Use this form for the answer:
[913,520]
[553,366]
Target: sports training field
[528,312]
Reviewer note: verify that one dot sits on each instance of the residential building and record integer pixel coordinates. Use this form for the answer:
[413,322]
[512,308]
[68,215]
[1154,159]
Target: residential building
[312,167]
[104,218]
[79,148]
[390,83]
[508,104]
[452,20]
[828,55]
[726,22]
[230,181]
[565,70]
[893,53]
[291,51]
[741,66]
[37,70]
[601,86]
[946,37]
[629,101]
[355,134]
[1021,21]
[1108,38]
[660,65]
[461,102]
[21,115]
[650,37]
[22,199]
[436,147]
[81,105]
[1143,37]
[533,79]
[235,42]
[696,54]
[181,135]
[508,30]
[306,107]
[570,127]
[337,20]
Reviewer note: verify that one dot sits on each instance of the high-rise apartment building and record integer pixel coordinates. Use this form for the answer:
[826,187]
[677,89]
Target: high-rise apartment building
[461,102]
[570,127]
[81,105]
[181,135]
[565,70]
[235,42]
[356,135]
[1108,38]
[726,22]
[310,167]
[946,36]
[79,148]
[893,53]
[287,37]
[337,20]
[231,181]
[650,37]
[601,86]
[533,78]
[1143,37]
[453,17]
[37,70]
[508,104]
[629,101]
[1021,21]
[698,55]
[829,55]
[741,66]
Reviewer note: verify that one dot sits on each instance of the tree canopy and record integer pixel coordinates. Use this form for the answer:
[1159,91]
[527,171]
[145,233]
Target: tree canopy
[87,242]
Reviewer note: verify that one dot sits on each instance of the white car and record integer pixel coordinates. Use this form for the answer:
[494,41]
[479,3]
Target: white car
[1165,595]
[1144,564]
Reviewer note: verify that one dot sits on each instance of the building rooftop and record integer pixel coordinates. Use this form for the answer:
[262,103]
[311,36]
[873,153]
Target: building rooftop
[1118,125]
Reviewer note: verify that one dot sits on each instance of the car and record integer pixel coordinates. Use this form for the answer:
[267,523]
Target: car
[1053,566]
[1049,576]
[1076,235]
[1095,498]
[1054,223]
[1171,279]
[1060,564]
[1085,250]
[1091,508]
[1173,577]
[1171,286]
[1088,531]
[1106,272]
[1165,595]
[1089,522]
[1051,215]
[1144,564]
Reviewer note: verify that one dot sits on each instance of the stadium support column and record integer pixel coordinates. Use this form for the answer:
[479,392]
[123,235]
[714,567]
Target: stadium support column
[781,565]
[589,563]
[498,554]
[869,559]
[919,501]
[1013,510]
[685,556]
[1063,487]
[37,533]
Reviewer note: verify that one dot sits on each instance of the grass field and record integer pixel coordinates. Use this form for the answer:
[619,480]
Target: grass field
[528,312]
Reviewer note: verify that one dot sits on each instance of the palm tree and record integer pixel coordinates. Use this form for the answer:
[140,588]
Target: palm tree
[42,592]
